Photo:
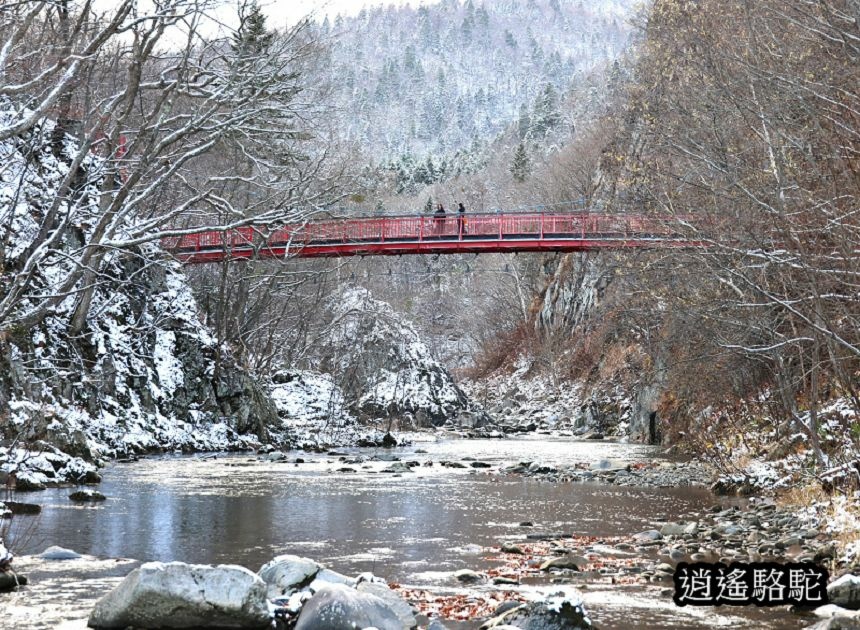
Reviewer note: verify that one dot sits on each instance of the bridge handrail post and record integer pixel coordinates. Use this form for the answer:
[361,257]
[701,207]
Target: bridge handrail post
[382,230]
[542,217]
[421,230]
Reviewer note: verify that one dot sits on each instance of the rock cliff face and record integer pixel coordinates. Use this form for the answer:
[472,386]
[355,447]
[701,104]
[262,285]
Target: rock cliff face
[382,366]
[141,376]
[142,373]
[580,302]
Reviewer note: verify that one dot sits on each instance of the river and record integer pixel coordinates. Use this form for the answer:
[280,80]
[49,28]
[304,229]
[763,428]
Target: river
[414,529]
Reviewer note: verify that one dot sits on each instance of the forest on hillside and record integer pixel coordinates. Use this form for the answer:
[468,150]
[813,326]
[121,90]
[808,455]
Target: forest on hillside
[730,121]
[679,368]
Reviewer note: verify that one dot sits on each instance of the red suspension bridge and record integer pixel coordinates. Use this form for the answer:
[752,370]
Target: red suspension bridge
[451,234]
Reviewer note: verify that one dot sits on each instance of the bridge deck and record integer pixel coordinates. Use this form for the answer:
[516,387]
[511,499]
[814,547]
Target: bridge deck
[475,233]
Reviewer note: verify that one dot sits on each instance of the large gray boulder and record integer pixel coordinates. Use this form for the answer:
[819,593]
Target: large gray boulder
[399,605]
[845,591]
[561,611]
[339,607]
[287,574]
[179,595]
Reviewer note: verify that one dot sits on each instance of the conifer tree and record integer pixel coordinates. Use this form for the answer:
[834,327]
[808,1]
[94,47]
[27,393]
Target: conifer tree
[521,166]
[252,39]
[524,122]
[547,115]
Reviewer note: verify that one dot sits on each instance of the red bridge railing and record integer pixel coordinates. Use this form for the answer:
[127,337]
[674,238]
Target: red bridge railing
[395,235]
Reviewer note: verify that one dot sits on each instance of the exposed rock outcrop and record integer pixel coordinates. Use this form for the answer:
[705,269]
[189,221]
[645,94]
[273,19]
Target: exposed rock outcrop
[140,372]
[383,367]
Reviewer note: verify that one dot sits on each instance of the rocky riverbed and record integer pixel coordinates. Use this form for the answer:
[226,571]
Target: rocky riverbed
[609,520]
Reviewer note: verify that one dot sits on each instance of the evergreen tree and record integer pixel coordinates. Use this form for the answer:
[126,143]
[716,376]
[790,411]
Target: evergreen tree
[524,123]
[466,28]
[547,115]
[428,207]
[483,18]
[252,39]
[521,166]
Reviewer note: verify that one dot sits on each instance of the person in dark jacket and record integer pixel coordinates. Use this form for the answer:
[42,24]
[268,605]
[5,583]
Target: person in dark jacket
[439,218]
[461,218]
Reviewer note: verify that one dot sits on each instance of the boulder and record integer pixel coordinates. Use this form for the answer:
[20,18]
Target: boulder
[87,496]
[400,607]
[10,580]
[179,595]
[26,484]
[569,562]
[467,576]
[287,574]
[649,535]
[845,592]
[560,611]
[339,607]
[16,507]
[59,553]
[678,529]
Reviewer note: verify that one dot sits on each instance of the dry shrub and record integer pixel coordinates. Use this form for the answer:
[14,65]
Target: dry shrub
[501,355]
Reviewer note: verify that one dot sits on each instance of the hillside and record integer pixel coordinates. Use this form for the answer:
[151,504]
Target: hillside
[448,77]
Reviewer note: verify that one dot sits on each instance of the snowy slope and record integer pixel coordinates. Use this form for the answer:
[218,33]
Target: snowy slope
[446,74]
[140,376]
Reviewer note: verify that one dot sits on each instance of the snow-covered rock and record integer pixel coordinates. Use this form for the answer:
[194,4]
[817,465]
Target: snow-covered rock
[179,595]
[6,556]
[140,375]
[561,610]
[312,409]
[43,465]
[287,573]
[59,553]
[381,364]
[338,607]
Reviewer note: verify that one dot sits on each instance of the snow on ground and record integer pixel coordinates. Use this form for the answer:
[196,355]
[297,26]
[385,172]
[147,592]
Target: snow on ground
[518,398]
[313,410]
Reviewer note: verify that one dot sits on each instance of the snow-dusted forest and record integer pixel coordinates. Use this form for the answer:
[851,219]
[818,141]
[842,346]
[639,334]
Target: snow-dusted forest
[615,329]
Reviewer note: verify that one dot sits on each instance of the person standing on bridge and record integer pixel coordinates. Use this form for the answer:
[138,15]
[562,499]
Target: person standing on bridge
[461,219]
[439,218]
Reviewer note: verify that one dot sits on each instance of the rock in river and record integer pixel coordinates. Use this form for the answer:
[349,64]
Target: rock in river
[179,595]
[569,561]
[467,576]
[339,607]
[287,573]
[10,580]
[560,611]
[87,495]
[59,553]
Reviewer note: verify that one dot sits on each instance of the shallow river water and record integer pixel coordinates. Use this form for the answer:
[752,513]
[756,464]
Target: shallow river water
[414,529]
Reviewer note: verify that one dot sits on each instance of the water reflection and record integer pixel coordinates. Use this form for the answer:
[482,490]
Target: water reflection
[236,509]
